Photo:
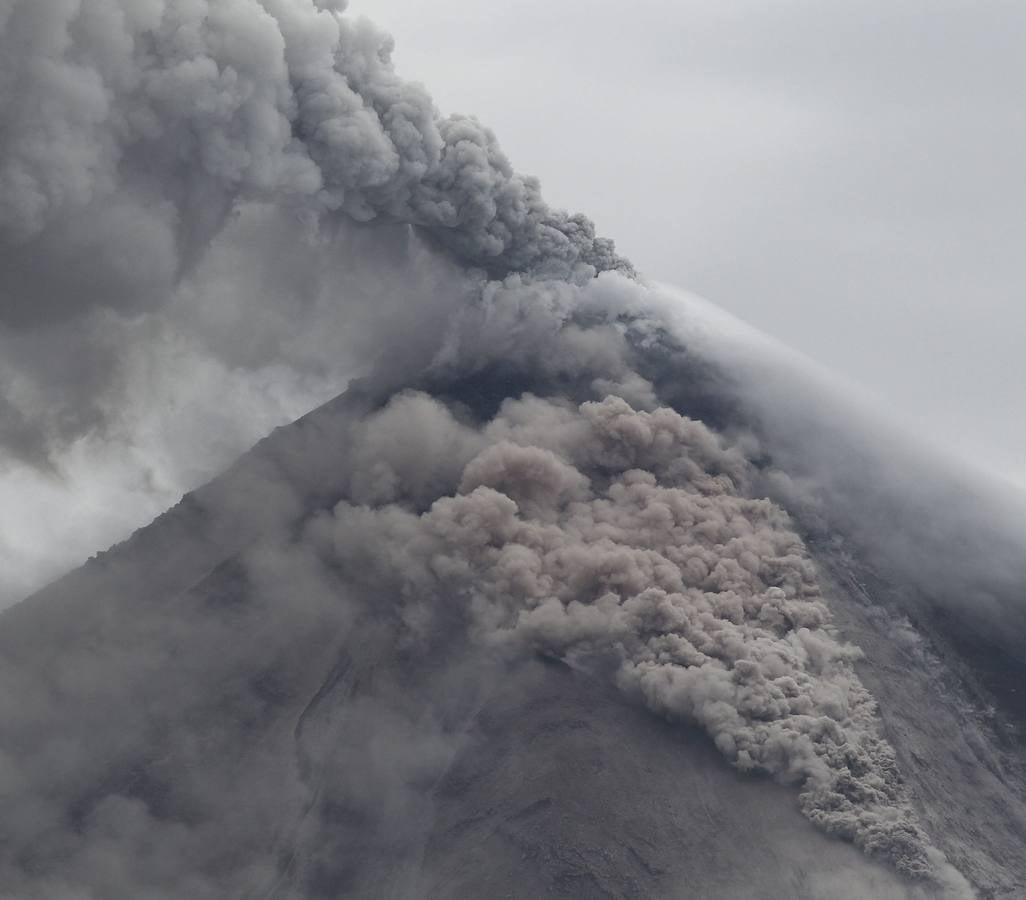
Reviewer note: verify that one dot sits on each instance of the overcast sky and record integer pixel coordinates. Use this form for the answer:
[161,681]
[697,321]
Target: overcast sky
[847,176]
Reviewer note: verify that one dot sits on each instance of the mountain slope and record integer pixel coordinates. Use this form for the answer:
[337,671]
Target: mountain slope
[215,709]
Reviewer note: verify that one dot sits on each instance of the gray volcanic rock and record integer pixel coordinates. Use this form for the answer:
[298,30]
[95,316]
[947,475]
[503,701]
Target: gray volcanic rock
[960,739]
[563,790]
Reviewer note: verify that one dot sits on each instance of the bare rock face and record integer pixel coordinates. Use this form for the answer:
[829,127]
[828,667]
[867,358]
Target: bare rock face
[951,709]
[563,790]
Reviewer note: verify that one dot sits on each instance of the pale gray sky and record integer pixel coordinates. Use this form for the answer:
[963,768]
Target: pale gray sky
[847,176]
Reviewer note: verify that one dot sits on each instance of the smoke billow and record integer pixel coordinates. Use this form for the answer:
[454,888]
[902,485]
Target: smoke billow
[130,131]
[178,187]
[214,216]
[619,541]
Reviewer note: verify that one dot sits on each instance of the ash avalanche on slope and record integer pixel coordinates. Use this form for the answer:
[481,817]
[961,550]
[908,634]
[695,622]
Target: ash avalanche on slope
[621,541]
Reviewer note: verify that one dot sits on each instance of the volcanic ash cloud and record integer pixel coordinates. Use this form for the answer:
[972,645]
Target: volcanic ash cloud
[623,543]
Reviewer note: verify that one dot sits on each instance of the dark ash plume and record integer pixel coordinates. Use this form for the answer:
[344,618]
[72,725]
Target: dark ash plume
[131,131]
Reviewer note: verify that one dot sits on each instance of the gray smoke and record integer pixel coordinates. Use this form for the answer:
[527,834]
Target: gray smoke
[131,131]
[179,184]
[619,541]
[236,208]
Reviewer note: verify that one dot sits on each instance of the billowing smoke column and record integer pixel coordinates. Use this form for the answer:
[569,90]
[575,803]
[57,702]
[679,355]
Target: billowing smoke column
[531,493]
[130,130]
[155,159]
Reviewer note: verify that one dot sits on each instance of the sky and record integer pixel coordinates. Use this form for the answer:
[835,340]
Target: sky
[845,176]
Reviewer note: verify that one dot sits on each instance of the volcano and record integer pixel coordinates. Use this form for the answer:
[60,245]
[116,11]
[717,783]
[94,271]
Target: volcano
[579,588]
[247,699]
